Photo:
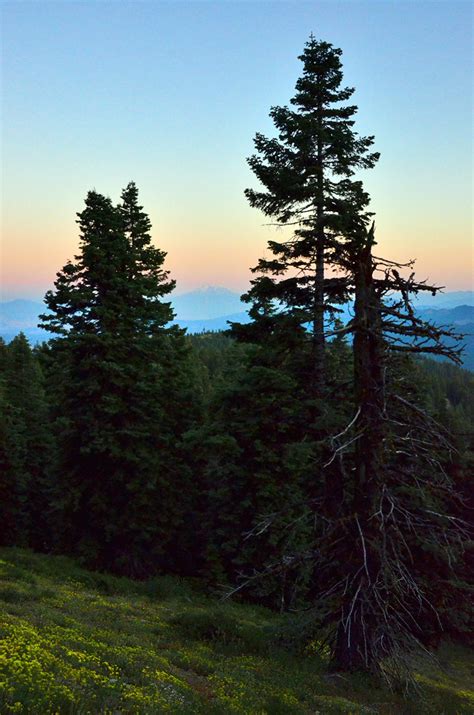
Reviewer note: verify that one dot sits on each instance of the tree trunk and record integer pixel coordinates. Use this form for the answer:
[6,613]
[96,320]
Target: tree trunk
[355,634]
[319,376]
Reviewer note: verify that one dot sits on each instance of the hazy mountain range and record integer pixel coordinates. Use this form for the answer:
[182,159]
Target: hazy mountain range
[211,308]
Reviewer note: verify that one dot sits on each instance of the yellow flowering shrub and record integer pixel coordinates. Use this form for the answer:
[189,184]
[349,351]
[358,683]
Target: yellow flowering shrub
[80,643]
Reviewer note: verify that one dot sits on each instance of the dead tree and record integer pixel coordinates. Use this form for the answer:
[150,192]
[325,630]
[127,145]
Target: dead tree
[373,557]
[398,495]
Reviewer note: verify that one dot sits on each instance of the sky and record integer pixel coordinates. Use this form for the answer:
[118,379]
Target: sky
[171,94]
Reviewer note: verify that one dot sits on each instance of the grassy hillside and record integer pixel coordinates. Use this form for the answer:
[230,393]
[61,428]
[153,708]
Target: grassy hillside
[72,641]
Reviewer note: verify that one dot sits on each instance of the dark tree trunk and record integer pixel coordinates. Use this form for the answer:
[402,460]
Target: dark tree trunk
[319,371]
[356,629]
[368,380]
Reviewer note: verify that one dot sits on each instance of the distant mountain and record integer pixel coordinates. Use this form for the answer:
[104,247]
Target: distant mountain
[22,316]
[462,319]
[206,304]
[205,326]
[460,315]
[468,355]
[20,312]
[211,308]
[445,300]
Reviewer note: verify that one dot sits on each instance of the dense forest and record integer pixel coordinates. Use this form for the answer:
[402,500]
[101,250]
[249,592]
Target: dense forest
[315,467]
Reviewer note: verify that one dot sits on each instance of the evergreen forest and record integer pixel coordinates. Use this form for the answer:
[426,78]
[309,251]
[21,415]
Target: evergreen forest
[314,469]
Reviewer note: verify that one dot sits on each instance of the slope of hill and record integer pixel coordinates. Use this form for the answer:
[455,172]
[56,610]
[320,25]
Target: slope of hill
[73,641]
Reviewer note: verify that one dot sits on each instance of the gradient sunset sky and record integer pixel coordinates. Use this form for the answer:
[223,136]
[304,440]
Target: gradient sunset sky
[170,95]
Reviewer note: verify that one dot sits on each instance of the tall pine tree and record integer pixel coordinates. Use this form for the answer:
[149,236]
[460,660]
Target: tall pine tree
[308,185]
[388,506]
[308,182]
[120,501]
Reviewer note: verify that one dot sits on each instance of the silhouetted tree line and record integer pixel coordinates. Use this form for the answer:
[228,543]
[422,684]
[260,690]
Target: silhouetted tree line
[303,463]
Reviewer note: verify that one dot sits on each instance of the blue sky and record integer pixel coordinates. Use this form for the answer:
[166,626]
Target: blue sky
[170,94]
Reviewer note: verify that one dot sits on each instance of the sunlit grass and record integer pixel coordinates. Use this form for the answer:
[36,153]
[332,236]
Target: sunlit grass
[76,642]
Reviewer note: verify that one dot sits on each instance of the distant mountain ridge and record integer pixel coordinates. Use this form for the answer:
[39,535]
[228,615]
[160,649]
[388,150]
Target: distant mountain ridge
[22,316]
[206,303]
[450,299]
[459,315]
[212,308]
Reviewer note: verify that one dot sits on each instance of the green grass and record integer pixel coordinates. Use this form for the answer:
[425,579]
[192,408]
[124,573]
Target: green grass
[77,642]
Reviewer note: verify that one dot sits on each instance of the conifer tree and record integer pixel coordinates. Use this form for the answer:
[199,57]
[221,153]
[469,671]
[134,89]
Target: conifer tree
[9,497]
[398,521]
[308,185]
[398,516]
[387,501]
[27,447]
[120,413]
[259,452]
[308,182]
[257,458]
